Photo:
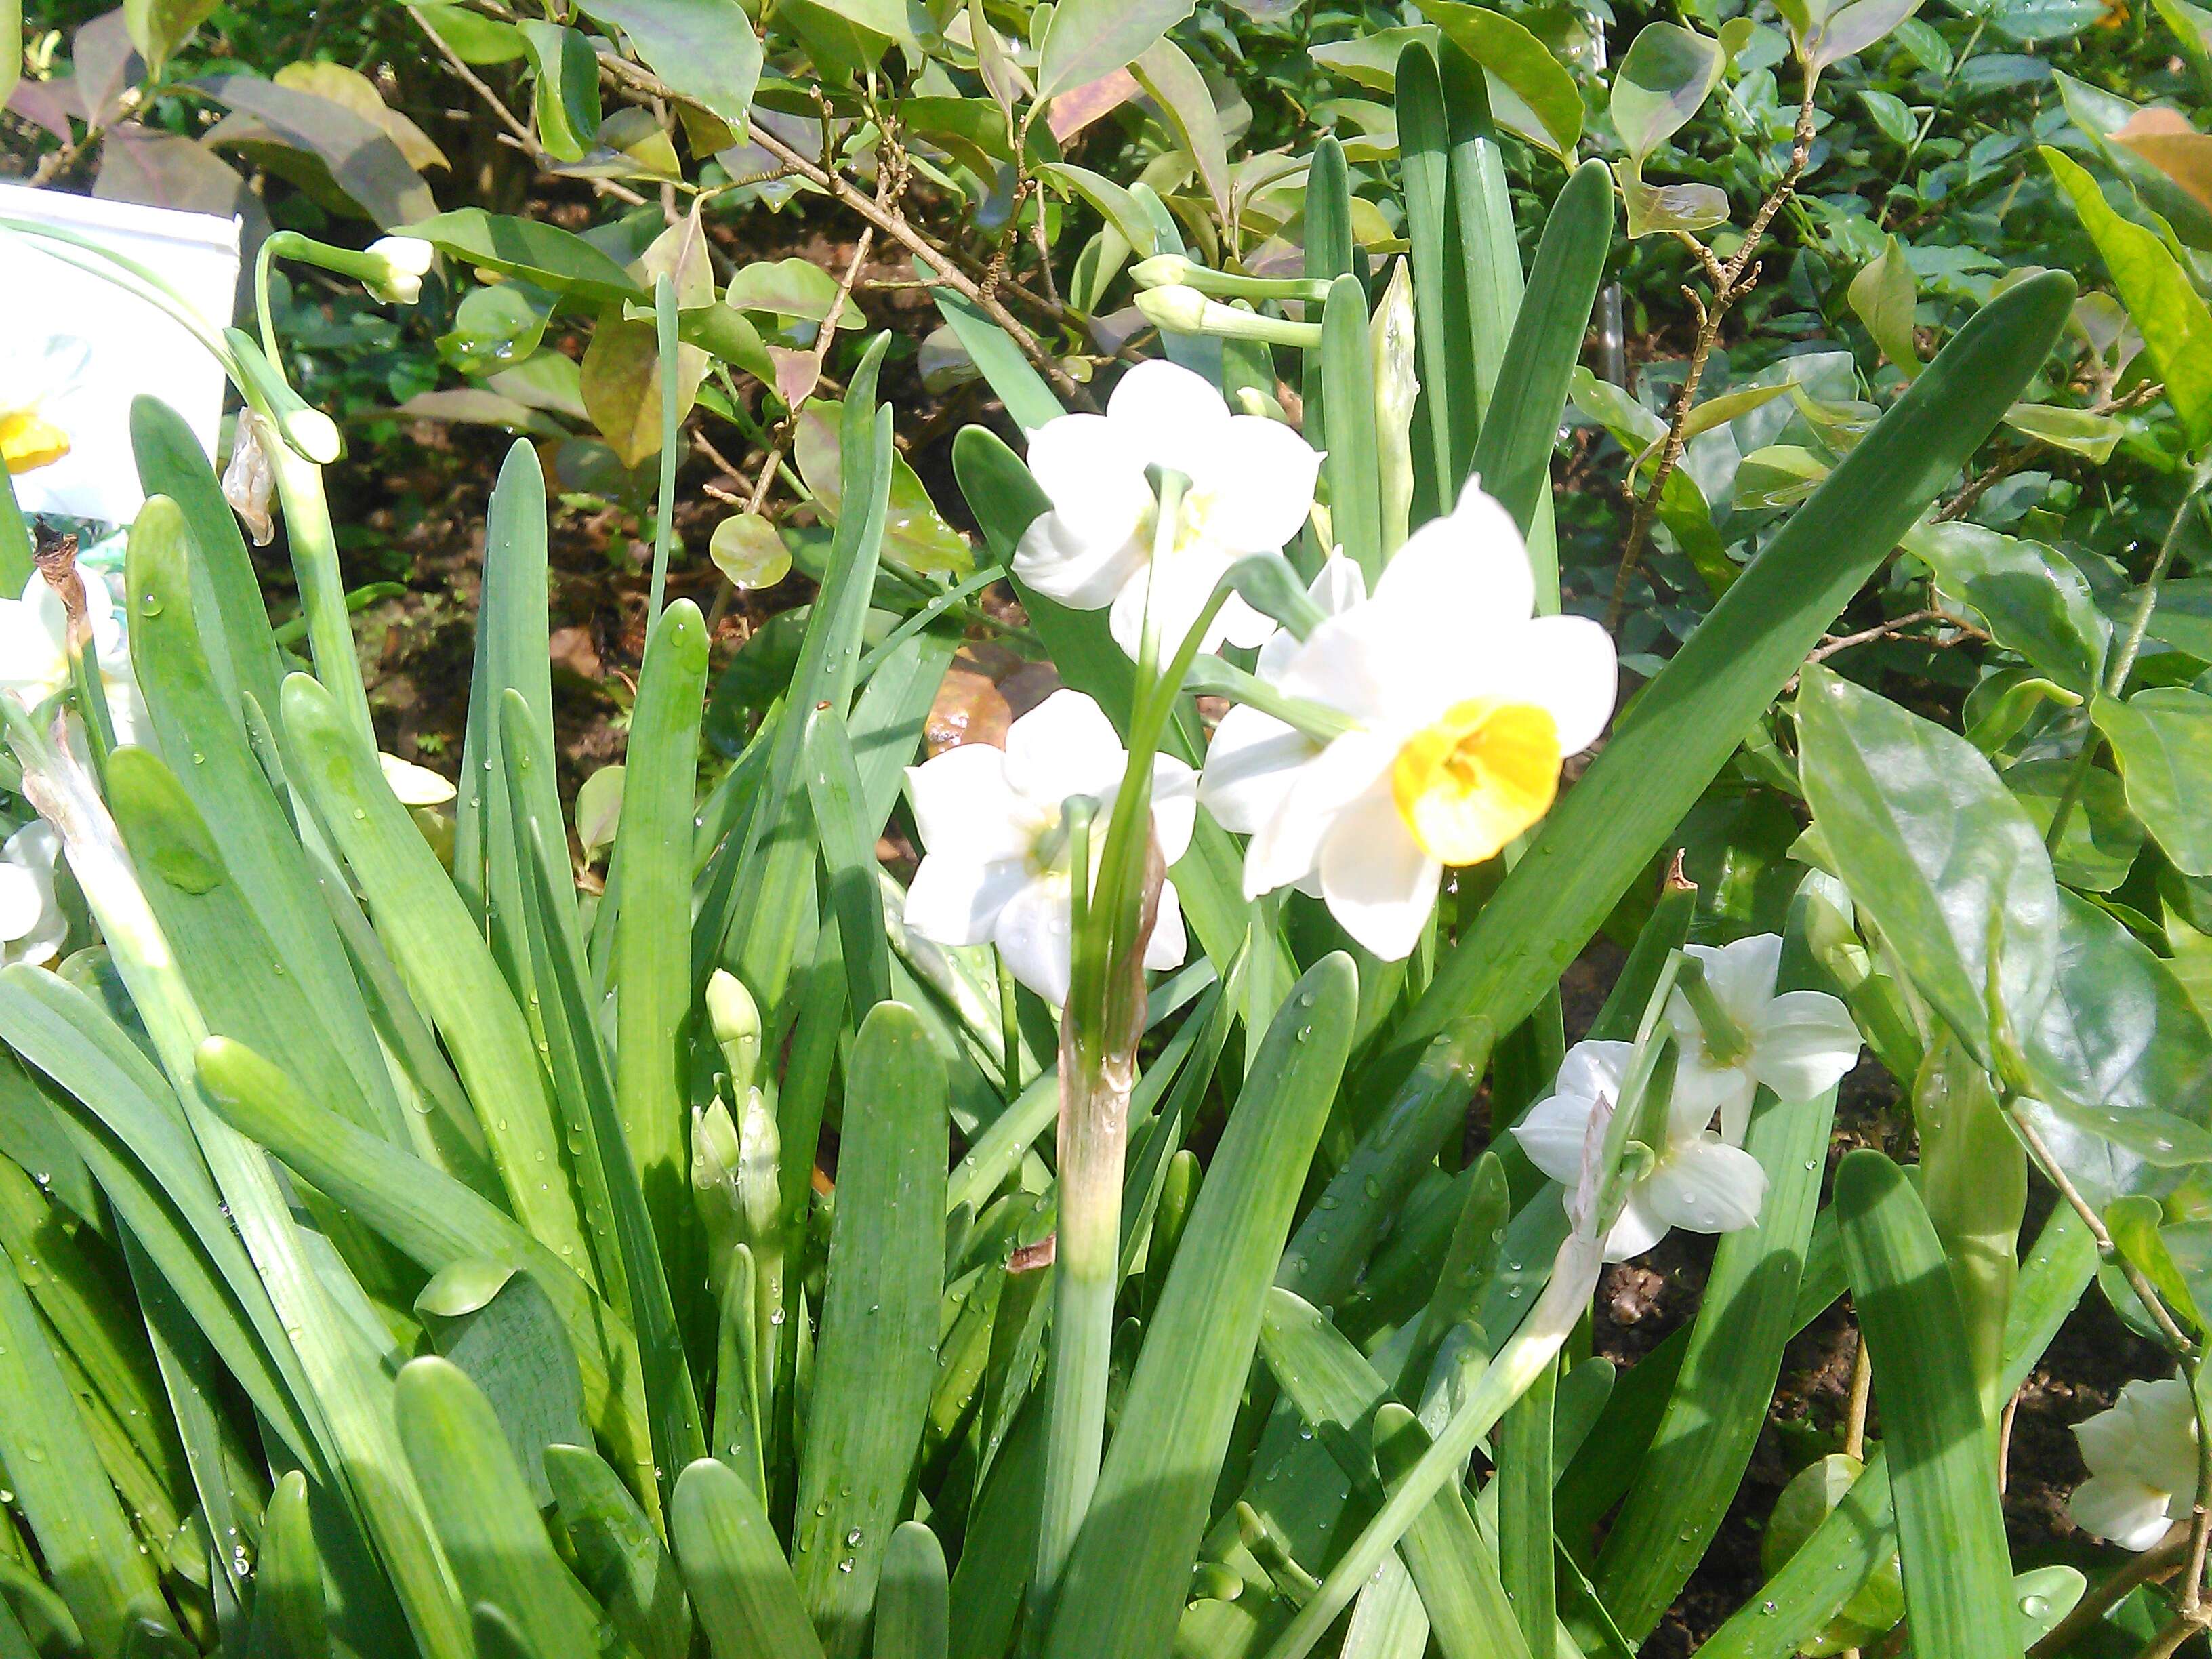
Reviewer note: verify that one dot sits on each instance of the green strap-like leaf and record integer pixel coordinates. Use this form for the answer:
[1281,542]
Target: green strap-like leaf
[1340,1396]
[1513,455]
[618,1555]
[876,1358]
[91,1556]
[653,935]
[741,1586]
[447,963]
[483,1510]
[1941,1450]
[433,1219]
[913,1620]
[1349,467]
[288,1614]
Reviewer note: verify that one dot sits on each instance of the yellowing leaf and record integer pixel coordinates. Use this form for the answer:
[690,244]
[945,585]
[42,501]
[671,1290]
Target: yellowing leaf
[748,549]
[2164,138]
[357,92]
[622,386]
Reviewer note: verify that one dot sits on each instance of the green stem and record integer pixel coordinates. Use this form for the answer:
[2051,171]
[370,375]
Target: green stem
[1211,677]
[1010,1031]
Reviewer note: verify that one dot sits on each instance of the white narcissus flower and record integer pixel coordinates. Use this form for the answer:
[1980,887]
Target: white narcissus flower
[32,925]
[1797,1043]
[1697,1181]
[1462,705]
[2142,1465]
[996,864]
[1251,487]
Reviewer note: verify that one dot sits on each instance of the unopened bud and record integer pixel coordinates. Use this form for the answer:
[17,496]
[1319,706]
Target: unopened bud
[734,1018]
[1184,310]
[1163,270]
[405,259]
[1176,306]
[1397,386]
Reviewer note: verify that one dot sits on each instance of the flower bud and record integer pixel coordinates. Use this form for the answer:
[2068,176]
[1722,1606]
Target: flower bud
[1176,307]
[1396,387]
[734,1018]
[405,260]
[1163,270]
[1183,310]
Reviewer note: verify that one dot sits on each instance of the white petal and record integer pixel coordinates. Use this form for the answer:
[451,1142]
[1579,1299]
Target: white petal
[956,900]
[1339,586]
[23,901]
[1552,1132]
[1082,566]
[2104,1440]
[1804,1044]
[1707,1187]
[1595,1067]
[1634,1230]
[1563,664]
[42,944]
[1033,934]
[1174,591]
[415,786]
[1287,847]
[1250,766]
[1174,806]
[2160,1443]
[1378,882]
[1093,475]
[1064,746]
[1742,974]
[1170,944]
[31,658]
[1470,564]
[1356,663]
[1170,416]
[1260,476]
[2123,1512]
[1241,624]
[963,805]
[1702,1090]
